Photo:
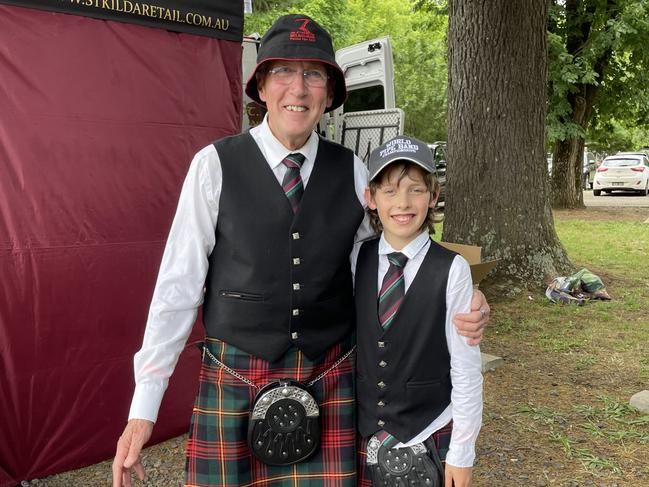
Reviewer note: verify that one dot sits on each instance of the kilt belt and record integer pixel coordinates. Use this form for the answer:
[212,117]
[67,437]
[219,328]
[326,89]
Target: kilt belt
[217,450]
[441,438]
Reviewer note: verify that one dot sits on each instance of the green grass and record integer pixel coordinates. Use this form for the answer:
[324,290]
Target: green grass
[585,455]
[621,247]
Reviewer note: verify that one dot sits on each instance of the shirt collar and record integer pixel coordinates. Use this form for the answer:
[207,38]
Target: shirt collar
[276,152]
[410,250]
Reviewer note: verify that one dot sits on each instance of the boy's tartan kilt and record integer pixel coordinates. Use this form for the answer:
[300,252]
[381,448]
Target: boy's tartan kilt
[441,437]
[217,449]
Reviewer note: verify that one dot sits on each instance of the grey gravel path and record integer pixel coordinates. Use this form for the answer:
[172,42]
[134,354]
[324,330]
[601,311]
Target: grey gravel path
[164,464]
[616,199]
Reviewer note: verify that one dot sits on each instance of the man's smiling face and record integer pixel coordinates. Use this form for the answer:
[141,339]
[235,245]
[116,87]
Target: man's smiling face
[295,108]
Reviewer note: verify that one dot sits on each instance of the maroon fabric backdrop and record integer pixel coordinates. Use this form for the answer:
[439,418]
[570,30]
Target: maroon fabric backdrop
[98,123]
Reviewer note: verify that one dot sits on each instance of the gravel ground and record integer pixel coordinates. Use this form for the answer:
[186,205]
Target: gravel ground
[617,199]
[164,464]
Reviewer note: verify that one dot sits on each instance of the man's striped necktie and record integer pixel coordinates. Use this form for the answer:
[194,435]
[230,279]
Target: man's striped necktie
[292,182]
[392,289]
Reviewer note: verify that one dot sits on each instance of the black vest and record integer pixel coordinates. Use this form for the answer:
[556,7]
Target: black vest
[276,279]
[403,374]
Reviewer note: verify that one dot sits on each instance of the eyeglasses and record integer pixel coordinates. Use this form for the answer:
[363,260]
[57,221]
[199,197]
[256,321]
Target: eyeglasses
[284,75]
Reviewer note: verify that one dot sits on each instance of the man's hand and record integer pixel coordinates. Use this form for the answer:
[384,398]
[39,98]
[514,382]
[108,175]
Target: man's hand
[129,446]
[457,476]
[471,325]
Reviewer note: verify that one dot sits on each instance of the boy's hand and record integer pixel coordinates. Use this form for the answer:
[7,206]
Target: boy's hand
[457,476]
[471,325]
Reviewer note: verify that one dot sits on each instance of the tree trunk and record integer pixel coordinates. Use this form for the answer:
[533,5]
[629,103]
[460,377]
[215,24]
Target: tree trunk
[567,160]
[566,171]
[497,185]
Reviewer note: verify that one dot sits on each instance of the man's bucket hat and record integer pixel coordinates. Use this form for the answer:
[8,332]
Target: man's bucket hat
[297,37]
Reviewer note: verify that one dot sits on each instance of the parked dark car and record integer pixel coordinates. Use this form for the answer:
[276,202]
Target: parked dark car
[588,170]
[439,156]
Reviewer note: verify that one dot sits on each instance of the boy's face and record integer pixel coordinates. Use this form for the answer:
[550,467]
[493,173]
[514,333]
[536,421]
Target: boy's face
[402,203]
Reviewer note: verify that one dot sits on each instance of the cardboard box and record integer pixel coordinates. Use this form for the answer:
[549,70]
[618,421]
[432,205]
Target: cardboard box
[473,255]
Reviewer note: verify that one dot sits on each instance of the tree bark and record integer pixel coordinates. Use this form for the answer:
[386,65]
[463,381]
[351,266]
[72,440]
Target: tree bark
[497,185]
[566,170]
[567,158]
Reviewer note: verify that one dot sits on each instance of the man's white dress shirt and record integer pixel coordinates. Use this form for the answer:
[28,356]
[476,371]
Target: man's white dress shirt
[179,289]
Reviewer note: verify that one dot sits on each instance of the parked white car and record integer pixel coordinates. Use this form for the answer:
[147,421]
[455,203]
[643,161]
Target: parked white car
[622,172]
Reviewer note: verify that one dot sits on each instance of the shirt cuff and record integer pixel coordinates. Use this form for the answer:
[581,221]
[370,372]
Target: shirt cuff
[461,455]
[146,402]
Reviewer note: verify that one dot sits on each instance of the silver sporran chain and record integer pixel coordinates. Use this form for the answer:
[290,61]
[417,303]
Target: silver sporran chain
[245,380]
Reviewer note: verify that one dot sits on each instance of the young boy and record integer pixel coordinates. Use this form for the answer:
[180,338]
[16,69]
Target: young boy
[419,384]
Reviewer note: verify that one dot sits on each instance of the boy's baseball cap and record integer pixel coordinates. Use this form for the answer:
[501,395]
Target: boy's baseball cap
[398,149]
[297,37]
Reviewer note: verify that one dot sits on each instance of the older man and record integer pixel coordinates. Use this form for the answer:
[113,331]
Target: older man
[266,222]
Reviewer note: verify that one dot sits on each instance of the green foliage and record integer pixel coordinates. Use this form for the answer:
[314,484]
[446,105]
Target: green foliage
[618,35]
[263,6]
[331,14]
[611,135]
[419,45]
[564,73]
[418,38]
[601,44]
[437,6]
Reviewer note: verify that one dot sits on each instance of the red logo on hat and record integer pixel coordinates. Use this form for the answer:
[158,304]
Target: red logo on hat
[302,34]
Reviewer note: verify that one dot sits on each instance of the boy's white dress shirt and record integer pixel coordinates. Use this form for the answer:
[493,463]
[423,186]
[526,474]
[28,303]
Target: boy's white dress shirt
[179,289]
[466,366]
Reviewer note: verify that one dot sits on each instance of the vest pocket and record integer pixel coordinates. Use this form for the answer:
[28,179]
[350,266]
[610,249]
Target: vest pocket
[428,395]
[423,383]
[243,296]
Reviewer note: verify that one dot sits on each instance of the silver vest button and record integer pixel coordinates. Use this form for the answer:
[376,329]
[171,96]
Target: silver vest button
[382,385]
[296,261]
[381,423]
[380,404]
[381,344]
[296,312]
[294,335]
[296,286]
[382,363]
[296,236]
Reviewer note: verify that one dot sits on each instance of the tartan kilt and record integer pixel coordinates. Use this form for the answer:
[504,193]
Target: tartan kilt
[217,449]
[441,437]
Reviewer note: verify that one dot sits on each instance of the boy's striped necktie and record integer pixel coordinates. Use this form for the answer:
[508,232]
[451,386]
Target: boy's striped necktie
[392,289]
[292,182]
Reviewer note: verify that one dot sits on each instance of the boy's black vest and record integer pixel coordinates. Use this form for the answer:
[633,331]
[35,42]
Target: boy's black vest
[403,374]
[276,279]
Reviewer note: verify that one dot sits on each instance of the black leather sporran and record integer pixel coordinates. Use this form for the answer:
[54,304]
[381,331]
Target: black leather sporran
[284,425]
[413,466]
